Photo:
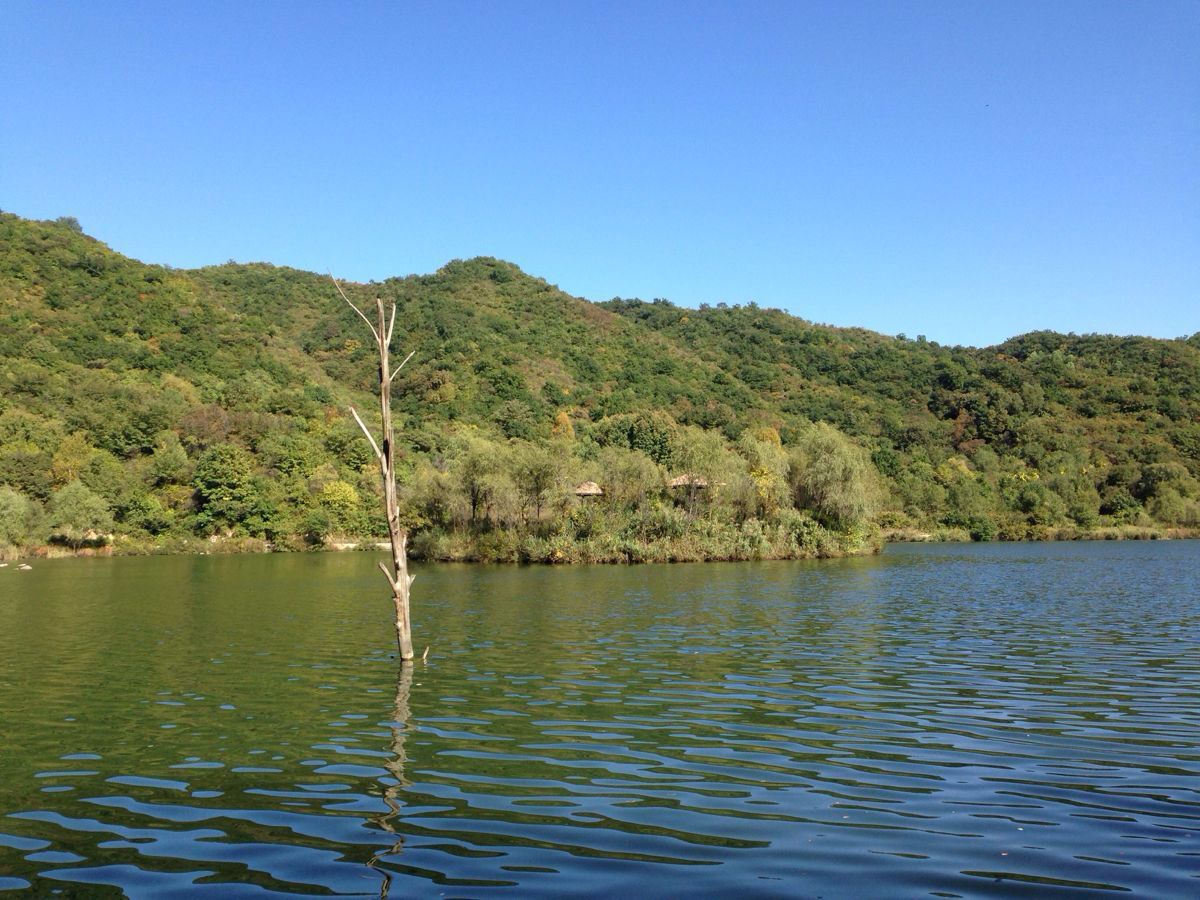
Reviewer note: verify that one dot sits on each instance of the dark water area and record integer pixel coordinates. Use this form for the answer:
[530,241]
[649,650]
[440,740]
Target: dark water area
[955,721]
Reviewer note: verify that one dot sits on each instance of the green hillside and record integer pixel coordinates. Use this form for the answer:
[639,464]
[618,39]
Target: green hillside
[162,406]
[1043,430]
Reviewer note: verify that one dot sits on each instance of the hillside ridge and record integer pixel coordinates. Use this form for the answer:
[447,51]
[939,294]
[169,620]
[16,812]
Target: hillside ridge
[119,361]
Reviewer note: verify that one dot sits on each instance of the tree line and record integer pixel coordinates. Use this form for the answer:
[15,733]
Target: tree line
[481,497]
[167,407]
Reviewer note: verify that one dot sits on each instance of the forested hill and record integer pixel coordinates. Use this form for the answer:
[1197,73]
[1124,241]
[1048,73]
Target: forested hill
[1092,427]
[157,403]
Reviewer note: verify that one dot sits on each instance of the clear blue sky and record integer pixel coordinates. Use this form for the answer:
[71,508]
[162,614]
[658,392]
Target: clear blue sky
[962,170]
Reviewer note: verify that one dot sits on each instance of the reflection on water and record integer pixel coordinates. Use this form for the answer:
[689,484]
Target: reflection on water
[392,792]
[955,721]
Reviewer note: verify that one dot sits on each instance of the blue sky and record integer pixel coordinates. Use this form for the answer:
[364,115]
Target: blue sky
[966,171]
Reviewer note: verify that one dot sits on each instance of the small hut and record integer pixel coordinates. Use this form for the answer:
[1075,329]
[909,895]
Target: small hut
[589,490]
[691,486]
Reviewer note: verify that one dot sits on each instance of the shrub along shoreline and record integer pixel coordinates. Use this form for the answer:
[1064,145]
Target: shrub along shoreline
[795,537]
[721,545]
[690,495]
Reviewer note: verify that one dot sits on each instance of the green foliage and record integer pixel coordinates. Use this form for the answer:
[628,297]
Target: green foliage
[148,515]
[630,478]
[1173,508]
[344,443]
[538,472]
[78,515]
[16,514]
[227,497]
[768,476]
[653,433]
[1040,504]
[476,469]
[106,477]
[516,420]
[969,501]
[833,478]
[213,401]
[169,463]
[340,502]
[70,458]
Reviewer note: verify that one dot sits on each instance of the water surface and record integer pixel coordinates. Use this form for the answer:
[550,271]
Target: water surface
[985,720]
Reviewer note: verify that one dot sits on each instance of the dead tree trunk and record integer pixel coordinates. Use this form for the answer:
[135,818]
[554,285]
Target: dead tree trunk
[397,575]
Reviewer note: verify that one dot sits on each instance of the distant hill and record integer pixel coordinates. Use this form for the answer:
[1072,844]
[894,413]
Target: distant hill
[110,368]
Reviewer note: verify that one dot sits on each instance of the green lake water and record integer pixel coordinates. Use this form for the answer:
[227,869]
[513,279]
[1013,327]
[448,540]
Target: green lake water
[983,720]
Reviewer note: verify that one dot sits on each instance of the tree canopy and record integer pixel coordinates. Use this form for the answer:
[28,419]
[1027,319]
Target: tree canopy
[209,402]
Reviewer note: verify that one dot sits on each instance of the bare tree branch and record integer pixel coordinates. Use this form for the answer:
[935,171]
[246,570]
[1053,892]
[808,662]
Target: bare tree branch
[355,308]
[388,575]
[366,431]
[401,366]
[391,326]
[385,452]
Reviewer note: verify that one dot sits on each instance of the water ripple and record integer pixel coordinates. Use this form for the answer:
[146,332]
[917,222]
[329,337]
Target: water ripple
[1002,720]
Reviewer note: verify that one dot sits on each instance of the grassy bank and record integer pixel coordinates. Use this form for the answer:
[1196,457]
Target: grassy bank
[704,541]
[701,540]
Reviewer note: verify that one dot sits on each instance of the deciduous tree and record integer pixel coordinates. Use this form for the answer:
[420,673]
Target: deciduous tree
[76,514]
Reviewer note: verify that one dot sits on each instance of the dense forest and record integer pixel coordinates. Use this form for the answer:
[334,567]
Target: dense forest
[146,408]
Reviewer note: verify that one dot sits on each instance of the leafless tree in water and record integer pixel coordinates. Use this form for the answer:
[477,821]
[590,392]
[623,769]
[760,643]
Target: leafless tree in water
[385,449]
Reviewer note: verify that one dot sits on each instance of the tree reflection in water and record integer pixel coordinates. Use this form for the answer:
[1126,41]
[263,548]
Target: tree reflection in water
[401,717]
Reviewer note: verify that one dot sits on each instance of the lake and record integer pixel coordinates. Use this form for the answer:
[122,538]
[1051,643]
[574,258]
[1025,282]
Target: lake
[941,720]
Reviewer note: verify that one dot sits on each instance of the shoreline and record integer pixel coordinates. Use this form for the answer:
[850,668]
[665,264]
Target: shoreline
[239,546]
[125,547]
[1039,534]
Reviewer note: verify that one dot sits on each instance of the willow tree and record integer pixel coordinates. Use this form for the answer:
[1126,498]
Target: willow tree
[385,453]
